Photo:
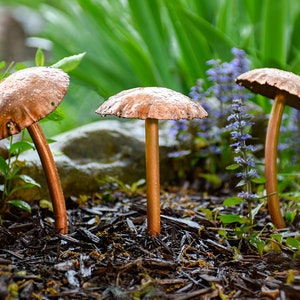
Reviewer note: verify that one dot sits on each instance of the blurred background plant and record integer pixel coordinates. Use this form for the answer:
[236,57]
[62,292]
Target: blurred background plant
[131,43]
[204,145]
[155,42]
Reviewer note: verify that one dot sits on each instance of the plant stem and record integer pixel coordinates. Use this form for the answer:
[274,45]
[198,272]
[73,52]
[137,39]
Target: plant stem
[270,161]
[248,181]
[152,176]
[54,184]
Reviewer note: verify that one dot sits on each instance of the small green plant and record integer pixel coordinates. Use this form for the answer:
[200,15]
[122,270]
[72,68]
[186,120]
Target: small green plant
[13,180]
[111,188]
[240,126]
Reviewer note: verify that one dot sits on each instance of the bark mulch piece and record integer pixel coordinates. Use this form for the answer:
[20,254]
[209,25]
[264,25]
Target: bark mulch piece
[109,255]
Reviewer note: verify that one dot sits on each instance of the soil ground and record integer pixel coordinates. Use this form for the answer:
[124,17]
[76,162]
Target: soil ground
[108,253]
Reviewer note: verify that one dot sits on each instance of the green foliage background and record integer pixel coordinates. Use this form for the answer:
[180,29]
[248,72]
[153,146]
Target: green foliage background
[131,43]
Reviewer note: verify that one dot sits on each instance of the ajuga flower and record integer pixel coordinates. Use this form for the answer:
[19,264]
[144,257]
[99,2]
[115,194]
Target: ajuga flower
[208,138]
[240,127]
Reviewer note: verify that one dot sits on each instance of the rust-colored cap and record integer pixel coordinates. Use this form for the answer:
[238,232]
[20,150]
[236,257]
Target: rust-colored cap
[151,103]
[29,95]
[270,82]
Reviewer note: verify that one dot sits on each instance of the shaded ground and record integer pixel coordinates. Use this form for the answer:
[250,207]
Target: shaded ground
[108,255]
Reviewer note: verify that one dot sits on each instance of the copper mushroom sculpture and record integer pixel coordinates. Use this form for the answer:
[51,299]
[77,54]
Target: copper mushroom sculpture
[152,104]
[27,96]
[284,88]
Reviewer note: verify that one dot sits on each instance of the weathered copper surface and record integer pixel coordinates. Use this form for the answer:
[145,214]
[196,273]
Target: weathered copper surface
[29,95]
[270,82]
[151,102]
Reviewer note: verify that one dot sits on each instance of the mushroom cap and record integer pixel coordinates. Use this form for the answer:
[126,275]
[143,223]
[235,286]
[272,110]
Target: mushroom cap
[29,95]
[151,103]
[270,82]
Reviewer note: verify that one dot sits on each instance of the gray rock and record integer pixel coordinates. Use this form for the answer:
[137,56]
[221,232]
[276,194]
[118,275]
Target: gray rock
[89,153]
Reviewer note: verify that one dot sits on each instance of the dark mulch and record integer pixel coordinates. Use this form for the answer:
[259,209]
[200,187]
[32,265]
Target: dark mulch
[109,255]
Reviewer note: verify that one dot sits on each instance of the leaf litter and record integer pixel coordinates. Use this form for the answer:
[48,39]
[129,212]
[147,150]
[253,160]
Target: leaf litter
[109,255]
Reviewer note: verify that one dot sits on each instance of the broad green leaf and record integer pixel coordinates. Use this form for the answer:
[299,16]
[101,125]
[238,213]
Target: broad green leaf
[274,37]
[220,42]
[292,242]
[231,201]
[20,204]
[69,63]
[22,187]
[18,147]
[28,179]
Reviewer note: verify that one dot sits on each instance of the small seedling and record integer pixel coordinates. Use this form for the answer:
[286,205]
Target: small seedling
[13,180]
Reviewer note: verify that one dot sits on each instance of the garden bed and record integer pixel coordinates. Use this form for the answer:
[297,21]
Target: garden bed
[109,255]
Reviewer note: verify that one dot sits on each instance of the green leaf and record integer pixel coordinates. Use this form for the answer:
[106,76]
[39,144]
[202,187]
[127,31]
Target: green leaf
[229,219]
[293,243]
[208,213]
[57,115]
[274,30]
[4,168]
[49,141]
[256,209]
[258,243]
[233,167]
[222,233]
[20,204]
[277,237]
[39,57]
[137,184]
[212,178]
[69,63]
[28,179]
[290,215]
[18,147]
[2,64]
[241,183]
[21,187]
[260,180]
[20,66]
[231,201]
[46,204]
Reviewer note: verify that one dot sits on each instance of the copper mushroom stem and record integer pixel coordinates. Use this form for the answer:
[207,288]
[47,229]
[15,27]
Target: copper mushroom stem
[51,173]
[152,176]
[270,160]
